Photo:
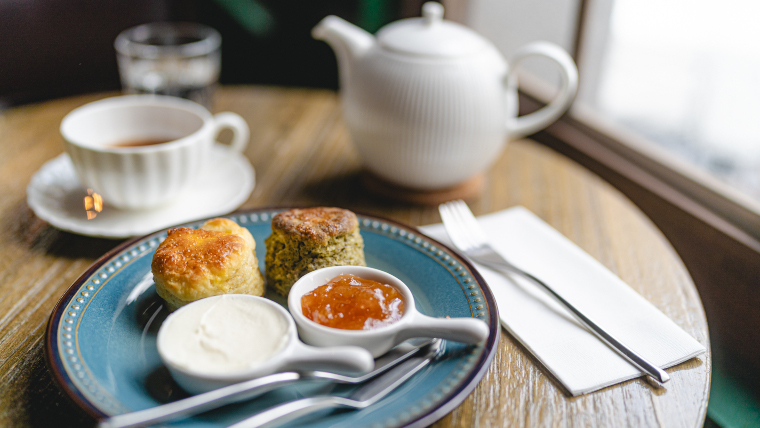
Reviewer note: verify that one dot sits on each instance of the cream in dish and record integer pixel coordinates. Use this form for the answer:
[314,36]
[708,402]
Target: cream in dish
[223,335]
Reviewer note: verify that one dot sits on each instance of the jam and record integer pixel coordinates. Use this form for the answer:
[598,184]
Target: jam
[352,303]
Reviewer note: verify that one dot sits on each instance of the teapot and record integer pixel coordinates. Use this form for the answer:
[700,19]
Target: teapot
[429,103]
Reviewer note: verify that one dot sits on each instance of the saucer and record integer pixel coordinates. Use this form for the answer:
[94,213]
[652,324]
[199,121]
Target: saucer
[56,196]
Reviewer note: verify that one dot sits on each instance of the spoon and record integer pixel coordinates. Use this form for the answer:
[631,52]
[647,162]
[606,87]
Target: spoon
[252,388]
[363,397]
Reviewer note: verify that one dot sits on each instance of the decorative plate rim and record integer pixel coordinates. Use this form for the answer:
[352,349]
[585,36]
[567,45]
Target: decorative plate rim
[446,405]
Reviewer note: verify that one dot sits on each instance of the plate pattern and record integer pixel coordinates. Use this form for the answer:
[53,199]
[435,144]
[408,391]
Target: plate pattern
[72,350]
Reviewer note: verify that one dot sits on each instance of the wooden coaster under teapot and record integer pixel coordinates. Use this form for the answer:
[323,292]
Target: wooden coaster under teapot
[470,188]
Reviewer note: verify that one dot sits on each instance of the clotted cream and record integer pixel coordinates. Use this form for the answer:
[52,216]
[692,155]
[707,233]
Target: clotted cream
[223,335]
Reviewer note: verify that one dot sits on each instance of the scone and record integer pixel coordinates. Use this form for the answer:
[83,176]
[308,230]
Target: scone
[304,240]
[217,258]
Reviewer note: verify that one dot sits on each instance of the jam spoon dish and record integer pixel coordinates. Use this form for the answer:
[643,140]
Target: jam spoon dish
[412,323]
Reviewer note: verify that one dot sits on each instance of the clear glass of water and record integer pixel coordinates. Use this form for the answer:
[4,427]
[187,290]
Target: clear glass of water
[170,58]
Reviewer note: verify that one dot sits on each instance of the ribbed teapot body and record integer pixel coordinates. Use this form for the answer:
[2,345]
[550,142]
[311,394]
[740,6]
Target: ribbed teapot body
[426,123]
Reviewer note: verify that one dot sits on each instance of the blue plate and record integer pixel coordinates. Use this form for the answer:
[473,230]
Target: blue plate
[101,338]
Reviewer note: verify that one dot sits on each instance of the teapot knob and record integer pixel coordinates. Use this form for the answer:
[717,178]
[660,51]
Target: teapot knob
[432,12]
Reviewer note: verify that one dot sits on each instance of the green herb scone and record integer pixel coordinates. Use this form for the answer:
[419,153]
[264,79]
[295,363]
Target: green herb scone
[304,240]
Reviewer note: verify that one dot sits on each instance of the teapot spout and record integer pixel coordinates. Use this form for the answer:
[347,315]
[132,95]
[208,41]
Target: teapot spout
[347,40]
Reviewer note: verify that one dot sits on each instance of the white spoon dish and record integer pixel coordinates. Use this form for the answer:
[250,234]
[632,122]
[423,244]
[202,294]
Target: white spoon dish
[227,339]
[378,341]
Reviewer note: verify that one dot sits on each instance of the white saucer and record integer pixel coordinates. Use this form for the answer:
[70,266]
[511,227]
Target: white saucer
[56,196]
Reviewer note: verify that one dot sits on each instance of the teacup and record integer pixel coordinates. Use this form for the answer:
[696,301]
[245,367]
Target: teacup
[143,151]
[412,323]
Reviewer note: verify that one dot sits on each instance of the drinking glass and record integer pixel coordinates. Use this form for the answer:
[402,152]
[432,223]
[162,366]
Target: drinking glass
[170,58]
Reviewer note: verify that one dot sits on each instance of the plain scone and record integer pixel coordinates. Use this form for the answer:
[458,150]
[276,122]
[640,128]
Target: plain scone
[217,258]
[304,240]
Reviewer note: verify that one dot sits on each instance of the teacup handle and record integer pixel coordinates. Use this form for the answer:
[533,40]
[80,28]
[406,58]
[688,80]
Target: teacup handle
[464,330]
[241,132]
[341,359]
[518,127]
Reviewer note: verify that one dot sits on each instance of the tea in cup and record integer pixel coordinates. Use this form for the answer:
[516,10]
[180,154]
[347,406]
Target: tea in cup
[144,151]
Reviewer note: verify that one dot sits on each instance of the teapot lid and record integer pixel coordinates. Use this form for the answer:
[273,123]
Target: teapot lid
[430,35]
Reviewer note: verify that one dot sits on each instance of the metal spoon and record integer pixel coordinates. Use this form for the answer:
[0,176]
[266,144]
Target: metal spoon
[363,397]
[252,388]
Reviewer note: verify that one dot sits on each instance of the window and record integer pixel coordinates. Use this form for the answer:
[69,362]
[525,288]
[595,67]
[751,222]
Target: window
[674,80]
[684,74]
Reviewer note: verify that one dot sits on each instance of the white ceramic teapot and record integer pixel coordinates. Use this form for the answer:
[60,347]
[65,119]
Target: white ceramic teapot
[430,103]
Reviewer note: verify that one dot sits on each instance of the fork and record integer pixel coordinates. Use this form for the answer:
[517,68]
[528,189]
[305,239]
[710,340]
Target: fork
[467,235]
[361,398]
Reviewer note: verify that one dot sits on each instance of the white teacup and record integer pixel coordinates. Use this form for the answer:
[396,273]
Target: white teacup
[143,151]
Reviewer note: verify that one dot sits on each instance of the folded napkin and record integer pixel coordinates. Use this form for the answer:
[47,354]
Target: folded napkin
[576,357]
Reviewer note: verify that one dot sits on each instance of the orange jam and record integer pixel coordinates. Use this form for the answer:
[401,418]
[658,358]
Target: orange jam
[352,303]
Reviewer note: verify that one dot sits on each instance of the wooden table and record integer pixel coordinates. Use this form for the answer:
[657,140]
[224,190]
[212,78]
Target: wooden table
[302,156]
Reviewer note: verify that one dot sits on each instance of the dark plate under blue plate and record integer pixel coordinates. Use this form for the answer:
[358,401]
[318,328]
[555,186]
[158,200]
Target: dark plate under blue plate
[101,338]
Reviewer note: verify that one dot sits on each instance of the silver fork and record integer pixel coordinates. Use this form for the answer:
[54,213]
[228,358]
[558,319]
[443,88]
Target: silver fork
[467,235]
[363,397]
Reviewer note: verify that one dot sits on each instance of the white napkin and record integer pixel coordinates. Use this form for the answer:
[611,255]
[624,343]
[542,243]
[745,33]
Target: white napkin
[576,357]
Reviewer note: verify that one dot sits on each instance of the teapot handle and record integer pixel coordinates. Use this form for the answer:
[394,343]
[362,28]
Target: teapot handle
[518,127]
